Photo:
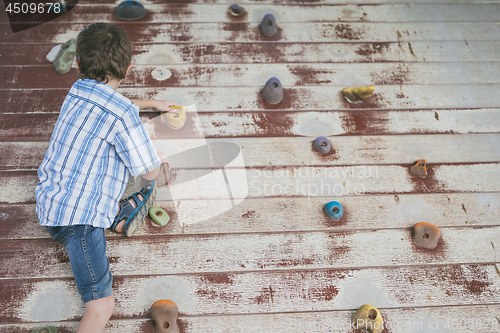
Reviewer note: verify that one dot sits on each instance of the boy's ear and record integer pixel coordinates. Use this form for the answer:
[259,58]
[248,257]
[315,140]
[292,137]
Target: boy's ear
[77,66]
[128,68]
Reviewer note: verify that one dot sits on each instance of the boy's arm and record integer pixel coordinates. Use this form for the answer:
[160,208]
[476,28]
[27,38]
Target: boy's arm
[158,105]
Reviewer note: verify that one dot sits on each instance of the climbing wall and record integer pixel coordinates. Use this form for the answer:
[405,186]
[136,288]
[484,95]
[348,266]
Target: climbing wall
[272,261]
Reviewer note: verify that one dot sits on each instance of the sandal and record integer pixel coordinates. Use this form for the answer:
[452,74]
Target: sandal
[135,216]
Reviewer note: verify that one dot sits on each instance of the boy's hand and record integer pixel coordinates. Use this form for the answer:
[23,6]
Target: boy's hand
[163,106]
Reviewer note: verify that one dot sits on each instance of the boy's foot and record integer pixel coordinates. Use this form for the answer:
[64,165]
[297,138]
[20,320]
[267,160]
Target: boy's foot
[134,209]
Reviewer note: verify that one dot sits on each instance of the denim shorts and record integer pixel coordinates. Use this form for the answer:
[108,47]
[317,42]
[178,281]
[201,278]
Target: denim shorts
[86,247]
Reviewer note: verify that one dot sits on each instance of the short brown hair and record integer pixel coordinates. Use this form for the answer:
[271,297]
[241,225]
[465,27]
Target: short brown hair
[103,51]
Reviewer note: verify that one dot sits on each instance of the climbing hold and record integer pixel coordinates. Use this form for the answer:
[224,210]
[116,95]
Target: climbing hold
[322,145]
[273,91]
[46,329]
[426,235]
[358,94]
[164,313]
[268,25]
[161,74]
[369,318]
[236,10]
[130,10]
[333,210]
[174,120]
[419,168]
[158,215]
[65,57]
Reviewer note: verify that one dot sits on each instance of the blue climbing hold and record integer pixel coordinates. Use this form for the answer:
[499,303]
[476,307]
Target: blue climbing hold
[333,210]
[236,10]
[268,25]
[130,10]
[322,145]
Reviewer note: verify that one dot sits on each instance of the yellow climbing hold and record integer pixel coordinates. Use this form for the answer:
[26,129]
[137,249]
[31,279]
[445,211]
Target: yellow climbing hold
[175,119]
[358,94]
[369,318]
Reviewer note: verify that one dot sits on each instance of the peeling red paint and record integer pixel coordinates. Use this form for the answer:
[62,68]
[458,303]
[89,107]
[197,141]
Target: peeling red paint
[345,31]
[308,75]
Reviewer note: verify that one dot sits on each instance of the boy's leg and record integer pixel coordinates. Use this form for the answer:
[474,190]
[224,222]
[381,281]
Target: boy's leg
[97,314]
[86,248]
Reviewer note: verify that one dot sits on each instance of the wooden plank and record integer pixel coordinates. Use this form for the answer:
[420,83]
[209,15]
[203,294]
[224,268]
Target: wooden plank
[287,214]
[43,259]
[299,98]
[234,31]
[278,52]
[32,77]
[271,181]
[188,13]
[463,319]
[249,292]
[348,150]
[39,127]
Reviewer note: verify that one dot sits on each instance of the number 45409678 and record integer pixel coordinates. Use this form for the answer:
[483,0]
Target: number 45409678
[32,8]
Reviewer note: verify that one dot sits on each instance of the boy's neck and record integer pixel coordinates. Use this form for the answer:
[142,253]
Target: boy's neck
[114,83]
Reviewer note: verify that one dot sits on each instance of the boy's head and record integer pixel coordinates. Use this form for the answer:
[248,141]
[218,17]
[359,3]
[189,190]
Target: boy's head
[103,52]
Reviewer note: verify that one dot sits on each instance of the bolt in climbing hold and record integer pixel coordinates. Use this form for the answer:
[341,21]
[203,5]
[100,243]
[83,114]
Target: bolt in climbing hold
[426,235]
[268,25]
[358,94]
[236,10]
[46,329]
[158,215]
[273,91]
[333,210]
[130,10]
[65,57]
[369,318]
[322,145]
[419,168]
[164,313]
[174,120]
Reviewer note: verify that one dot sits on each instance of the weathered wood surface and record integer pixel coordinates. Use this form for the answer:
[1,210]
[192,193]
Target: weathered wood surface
[280,152]
[369,212]
[38,127]
[275,263]
[338,321]
[279,52]
[324,181]
[32,77]
[295,13]
[44,259]
[235,31]
[250,292]
[299,98]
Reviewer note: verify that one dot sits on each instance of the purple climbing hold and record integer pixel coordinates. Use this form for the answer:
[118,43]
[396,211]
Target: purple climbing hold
[322,145]
[268,25]
[236,10]
[273,91]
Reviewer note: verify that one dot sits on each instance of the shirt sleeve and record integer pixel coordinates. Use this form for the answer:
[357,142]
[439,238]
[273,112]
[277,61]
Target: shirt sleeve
[133,144]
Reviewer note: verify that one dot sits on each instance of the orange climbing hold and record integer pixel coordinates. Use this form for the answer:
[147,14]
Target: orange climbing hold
[426,235]
[164,313]
[419,168]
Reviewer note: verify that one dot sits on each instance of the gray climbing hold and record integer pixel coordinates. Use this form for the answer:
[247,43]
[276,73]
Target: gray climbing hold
[273,91]
[322,145]
[130,10]
[268,25]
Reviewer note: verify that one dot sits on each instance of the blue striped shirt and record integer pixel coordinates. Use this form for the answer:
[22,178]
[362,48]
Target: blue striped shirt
[97,143]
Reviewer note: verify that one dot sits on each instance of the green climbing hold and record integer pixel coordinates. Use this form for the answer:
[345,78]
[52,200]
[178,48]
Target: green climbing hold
[65,57]
[46,329]
[159,216]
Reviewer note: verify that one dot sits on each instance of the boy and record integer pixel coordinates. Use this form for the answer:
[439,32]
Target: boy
[97,143]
